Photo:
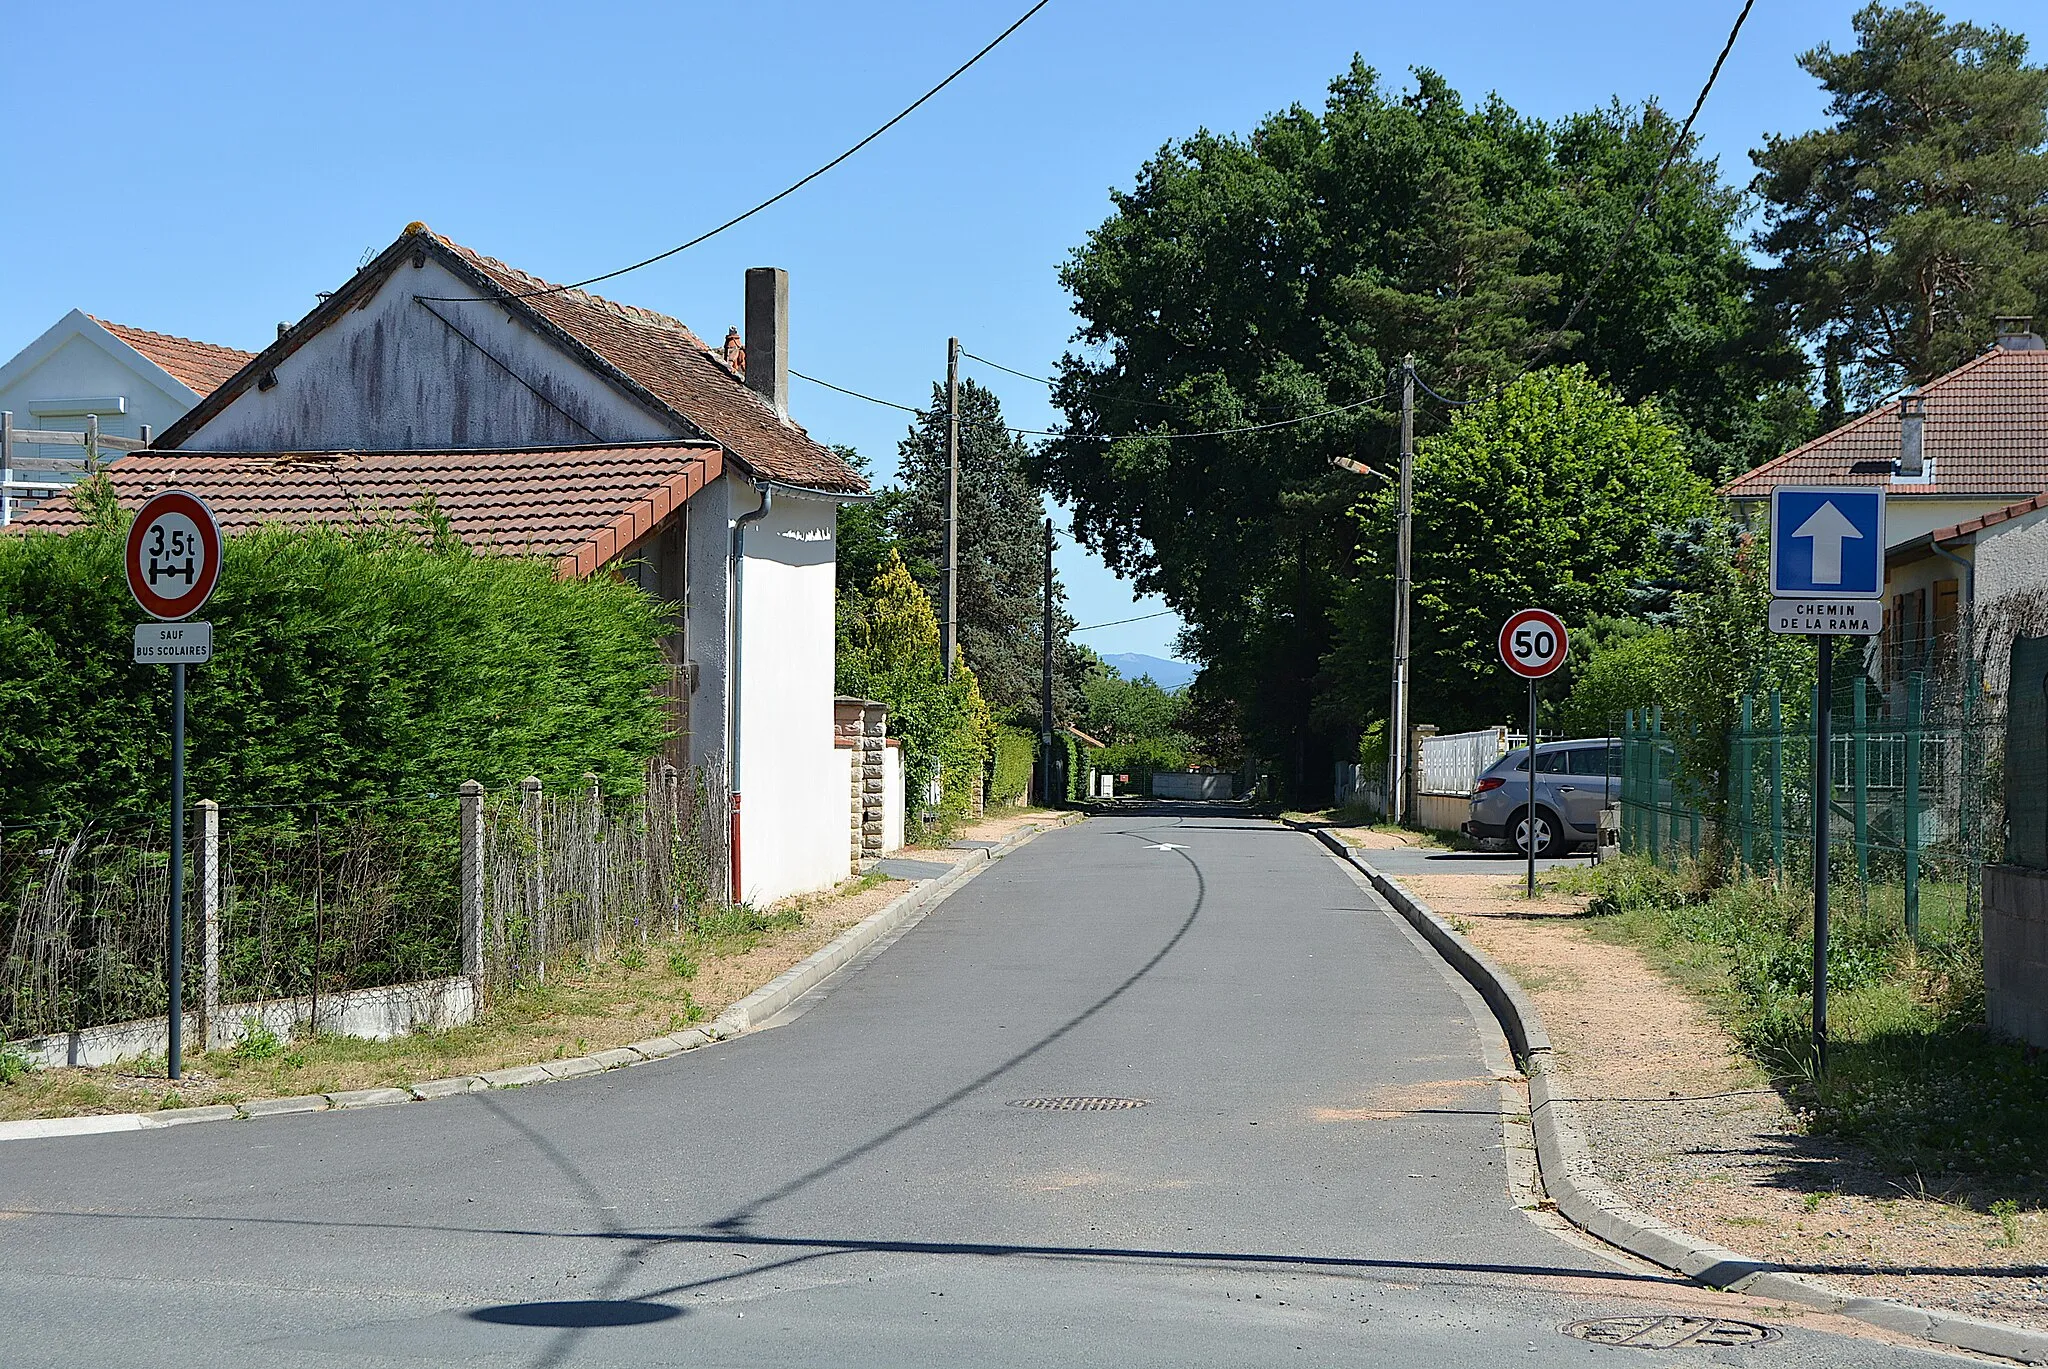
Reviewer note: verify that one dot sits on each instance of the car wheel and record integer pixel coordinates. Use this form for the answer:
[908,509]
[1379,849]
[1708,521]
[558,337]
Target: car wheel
[1549,839]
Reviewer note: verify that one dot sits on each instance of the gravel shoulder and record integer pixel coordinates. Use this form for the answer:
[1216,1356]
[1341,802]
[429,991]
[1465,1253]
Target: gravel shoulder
[1688,1130]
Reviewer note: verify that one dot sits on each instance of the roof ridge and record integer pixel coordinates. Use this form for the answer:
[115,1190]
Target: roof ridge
[110,325]
[637,313]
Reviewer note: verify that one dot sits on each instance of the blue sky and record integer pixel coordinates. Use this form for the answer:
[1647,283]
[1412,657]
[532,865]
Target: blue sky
[204,169]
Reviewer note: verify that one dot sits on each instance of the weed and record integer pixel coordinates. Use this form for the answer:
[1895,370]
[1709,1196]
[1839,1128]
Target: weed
[633,958]
[681,965]
[259,1042]
[15,1064]
[293,1059]
[1813,1201]
[1462,926]
[172,1099]
[2007,1211]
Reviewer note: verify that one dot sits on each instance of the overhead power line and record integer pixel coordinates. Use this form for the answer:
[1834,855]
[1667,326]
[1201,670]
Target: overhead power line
[856,394]
[1649,199]
[1053,384]
[1121,621]
[1108,437]
[791,189]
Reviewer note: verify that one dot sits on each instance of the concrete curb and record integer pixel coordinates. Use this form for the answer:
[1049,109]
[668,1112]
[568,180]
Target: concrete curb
[1566,1163]
[756,1008]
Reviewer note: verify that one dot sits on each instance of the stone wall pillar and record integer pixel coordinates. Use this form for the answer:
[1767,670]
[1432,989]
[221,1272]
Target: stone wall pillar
[873,742]
[848,728]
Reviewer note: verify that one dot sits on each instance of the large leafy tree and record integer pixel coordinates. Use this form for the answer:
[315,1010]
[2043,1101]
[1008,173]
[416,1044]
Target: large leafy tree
[1252,281]
[1554,492]
[1921,210]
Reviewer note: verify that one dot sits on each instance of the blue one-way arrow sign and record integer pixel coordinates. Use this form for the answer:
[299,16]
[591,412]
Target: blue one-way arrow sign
[1827,540]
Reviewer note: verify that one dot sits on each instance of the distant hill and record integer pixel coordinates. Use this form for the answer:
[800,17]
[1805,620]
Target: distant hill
[1166,674]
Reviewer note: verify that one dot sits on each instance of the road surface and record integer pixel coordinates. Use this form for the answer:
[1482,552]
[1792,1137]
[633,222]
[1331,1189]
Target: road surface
[1316,1176]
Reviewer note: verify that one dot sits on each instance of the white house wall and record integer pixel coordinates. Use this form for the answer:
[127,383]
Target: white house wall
[69,362]
[395,374]
[793,781]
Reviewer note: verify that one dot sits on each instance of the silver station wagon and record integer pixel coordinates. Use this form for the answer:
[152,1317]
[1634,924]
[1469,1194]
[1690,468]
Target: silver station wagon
[1574,781]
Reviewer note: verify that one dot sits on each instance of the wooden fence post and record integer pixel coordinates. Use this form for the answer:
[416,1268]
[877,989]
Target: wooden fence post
[209,924]
[472,817]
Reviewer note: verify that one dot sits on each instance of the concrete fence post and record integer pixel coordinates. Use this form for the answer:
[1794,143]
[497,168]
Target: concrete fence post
[209,924]
[472,811]
[536,915]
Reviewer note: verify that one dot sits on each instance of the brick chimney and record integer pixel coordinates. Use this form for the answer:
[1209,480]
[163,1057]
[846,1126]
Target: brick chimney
[767,345]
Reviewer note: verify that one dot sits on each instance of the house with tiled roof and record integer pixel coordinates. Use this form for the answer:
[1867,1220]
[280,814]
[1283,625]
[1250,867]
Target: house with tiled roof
[608,439]
[1964,463]
[130,383]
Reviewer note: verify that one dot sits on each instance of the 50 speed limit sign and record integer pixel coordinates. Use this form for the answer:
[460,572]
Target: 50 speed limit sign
[1533,643]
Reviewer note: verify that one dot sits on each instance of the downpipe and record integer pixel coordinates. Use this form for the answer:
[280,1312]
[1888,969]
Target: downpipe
[739,656]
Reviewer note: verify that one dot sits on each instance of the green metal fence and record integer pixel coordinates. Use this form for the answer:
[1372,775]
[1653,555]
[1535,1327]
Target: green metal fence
[1914,807]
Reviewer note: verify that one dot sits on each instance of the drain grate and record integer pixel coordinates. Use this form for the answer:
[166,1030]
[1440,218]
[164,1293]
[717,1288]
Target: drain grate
[1079,1104]
[1669,1332]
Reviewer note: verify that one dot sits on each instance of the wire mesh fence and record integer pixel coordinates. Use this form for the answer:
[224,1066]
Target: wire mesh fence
[86,925]
[304,902]
[1914,804]
[577,875]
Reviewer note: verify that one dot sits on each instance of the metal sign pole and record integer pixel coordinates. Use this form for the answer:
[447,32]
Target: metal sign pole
[1532,789]
[176,955]
[1823,759]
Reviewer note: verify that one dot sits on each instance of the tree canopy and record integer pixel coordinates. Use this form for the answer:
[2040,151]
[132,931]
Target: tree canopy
[1554,492]
[1002,551]
[1274,278]
[1921,210]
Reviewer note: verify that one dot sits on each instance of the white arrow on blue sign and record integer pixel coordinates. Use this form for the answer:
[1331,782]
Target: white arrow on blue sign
[1827,540]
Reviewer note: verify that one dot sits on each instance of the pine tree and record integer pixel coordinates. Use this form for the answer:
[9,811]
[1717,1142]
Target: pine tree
[1921,211]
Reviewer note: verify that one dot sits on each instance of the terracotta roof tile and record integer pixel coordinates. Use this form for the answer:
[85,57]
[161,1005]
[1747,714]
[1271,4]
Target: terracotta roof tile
[577,506]
[199,366]
[1986,434]
[664,357]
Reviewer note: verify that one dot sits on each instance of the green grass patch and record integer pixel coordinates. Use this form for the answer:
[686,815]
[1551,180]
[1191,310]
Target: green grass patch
[1914,1076]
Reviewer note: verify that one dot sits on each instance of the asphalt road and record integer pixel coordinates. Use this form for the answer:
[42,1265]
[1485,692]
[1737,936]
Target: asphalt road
[1316,1178]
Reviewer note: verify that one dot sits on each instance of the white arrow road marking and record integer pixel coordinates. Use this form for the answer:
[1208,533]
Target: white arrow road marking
[1828,528]
[1166,846]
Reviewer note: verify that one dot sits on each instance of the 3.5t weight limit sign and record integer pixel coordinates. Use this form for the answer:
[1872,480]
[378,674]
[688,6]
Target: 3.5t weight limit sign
[1533,643]
[173,555]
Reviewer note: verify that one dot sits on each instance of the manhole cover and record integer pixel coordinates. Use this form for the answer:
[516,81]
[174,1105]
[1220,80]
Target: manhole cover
[1669,1332]
[1079,1104]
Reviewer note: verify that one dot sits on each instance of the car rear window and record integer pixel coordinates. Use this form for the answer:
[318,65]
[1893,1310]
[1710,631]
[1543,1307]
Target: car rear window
[1596,760]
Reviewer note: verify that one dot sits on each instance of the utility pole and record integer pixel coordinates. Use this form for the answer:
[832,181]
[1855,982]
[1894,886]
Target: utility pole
[1397,727]
[949,630]
[1045,682]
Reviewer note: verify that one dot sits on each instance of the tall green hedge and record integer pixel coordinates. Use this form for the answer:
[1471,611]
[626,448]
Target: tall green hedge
[1016,753]
[348,665]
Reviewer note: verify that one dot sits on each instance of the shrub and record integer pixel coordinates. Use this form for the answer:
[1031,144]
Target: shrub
[351,664]
[259,1042]
[15,1064]
[1016,752]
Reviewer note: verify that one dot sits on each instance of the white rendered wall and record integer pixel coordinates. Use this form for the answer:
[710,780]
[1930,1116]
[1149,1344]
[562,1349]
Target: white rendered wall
[892,799]
[394,374]
[794,784]
[75,360]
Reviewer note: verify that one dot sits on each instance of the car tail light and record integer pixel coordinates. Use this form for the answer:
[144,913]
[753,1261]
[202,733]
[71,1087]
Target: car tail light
[1488,785]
